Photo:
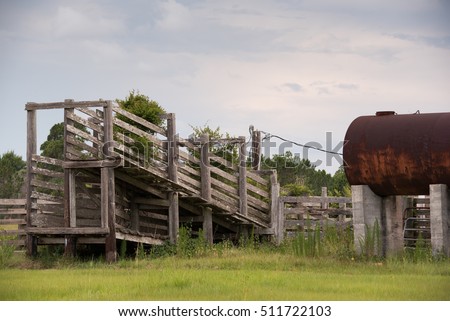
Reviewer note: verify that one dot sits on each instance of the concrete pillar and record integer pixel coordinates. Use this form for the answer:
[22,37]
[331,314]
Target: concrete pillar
[439,219]
[367,209]
[392,224]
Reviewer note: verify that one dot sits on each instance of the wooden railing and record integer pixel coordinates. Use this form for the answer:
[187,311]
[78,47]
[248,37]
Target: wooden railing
[146,146]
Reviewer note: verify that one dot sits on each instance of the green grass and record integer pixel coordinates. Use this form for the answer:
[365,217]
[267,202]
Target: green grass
[230,275]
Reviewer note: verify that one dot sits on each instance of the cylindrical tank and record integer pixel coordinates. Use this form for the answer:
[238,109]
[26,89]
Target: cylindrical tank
[398,154]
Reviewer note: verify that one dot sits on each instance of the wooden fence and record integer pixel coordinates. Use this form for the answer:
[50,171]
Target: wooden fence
[302,212]
[12,221]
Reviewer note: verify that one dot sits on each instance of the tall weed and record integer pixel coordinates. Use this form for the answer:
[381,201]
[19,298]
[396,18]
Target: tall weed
[370,245]
[7,248]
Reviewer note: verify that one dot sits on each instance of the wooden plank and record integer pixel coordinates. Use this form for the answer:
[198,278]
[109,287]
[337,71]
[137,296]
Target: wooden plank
[257,178]
[67,230]
[315,199]
[47,172]
[108,196]
[152,201]
[46,160]
[188,170]
[13,202]
[12,221]
[154,226]
[97,114]
[243,196]
[32,106]
[82,134]
[139,184]
[82,146]
[46,197]
[139,239]
[228,201]
[275,215]
[224,162]
[206,190]
[49,185]
[232,178]
[251,220]
[13,211]
[157,216]
[231,190]
[139,120]
[85,122]
[74,154]
[92,163]
[138,132]
[188,157]
[258,191]
[188,144]
[172,164]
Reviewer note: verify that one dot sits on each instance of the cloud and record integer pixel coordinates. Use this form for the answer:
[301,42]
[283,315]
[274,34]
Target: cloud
[346,86]
[71,22]
[439,42]
[292,86]
[174,16]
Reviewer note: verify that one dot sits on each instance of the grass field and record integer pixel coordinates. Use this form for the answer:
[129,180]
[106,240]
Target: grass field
[233,275]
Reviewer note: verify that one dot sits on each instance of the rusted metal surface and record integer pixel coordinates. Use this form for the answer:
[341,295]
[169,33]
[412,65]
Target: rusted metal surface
[398,154]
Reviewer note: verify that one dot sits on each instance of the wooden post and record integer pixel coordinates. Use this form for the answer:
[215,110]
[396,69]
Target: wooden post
[31,241]
[172,161]
[109,195]
[256,150]
[243,200]
[134,216]
[276,209]
[324,198]
[205,173]
[69,190]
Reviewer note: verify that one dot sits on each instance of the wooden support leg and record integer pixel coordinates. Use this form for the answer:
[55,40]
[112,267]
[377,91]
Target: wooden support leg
[208,225]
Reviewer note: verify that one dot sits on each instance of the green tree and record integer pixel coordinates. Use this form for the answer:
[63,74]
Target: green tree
[341,186]
[12,174]
[219,145]
[143,107]
[54,145]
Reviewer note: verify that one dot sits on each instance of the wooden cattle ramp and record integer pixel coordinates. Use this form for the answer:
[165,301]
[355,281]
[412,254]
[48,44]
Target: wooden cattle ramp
[123,178]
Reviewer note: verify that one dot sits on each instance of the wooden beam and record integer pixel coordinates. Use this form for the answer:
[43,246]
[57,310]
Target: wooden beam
[109,182]
[69,188]
[138,238]
[68,103]
[205,176]
[243,199]
[92,163]
[67,230]
[31,241]
[256,150]
[276,216]
[172,163]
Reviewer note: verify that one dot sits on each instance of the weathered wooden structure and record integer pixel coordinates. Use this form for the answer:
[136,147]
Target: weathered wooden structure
[123,178]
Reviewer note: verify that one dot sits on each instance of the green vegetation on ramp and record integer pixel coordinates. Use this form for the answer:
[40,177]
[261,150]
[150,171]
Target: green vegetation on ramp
[237,275]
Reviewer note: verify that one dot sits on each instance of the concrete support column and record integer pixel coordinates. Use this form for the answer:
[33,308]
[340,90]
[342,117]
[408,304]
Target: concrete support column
[367,209]
[439,219]
[392,224]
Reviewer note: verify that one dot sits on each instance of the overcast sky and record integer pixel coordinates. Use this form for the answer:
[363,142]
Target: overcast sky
[297,69]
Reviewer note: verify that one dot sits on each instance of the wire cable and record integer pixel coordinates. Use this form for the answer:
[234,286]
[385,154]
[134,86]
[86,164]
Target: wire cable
[268,136]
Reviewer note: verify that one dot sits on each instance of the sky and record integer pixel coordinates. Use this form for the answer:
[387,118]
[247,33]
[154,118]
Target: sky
[296,69]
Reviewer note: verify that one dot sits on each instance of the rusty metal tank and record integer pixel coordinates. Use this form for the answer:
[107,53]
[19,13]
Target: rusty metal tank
[398,154]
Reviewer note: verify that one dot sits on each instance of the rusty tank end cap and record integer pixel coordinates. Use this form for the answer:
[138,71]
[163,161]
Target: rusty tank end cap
[385,113]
